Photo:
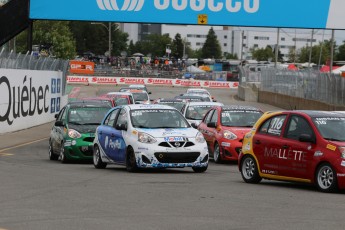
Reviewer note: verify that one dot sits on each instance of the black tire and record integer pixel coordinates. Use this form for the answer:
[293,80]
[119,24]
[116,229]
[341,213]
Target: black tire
[216,154]
[249,170]
[52,155]
[326,178]
[97,160]
[62,156]
[199,169]
[131,163]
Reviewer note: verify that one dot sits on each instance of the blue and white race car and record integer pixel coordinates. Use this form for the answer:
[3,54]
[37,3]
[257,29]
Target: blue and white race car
[149,136]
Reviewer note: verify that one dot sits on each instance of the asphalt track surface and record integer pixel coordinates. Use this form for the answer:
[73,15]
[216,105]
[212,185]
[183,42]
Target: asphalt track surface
[36,193]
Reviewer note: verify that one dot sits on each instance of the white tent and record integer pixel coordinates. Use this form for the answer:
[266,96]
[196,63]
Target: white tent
[339,70]
[194,69]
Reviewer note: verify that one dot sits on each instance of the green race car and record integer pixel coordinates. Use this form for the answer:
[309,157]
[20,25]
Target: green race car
[73,132]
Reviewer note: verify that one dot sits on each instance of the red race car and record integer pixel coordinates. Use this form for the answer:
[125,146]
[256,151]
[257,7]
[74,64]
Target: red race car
[301,146]
[224,127]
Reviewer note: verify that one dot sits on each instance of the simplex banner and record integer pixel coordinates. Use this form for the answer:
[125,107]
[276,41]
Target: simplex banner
[322,14]
[28,98]
[86,80]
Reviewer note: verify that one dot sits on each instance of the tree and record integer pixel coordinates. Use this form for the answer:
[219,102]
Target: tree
[262,54]
[94,37]
[319,53]
[177,46]
[154,44]
[230,56]
[211,48]
[341,52]
[53,38]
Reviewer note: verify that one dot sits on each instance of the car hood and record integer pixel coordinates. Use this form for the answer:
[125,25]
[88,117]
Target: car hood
[239,131]
[83,128]
[181,132]
[197,122]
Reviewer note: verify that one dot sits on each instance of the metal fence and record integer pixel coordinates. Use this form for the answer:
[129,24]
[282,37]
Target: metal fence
[148,72]
[12,60]
[309,84]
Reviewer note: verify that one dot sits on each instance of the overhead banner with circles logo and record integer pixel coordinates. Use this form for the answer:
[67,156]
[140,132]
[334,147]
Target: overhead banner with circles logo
[322,14]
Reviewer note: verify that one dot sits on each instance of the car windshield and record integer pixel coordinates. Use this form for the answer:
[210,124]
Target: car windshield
[87,115]
[177,105]
[240,118]
[121,101]
[158,118]
[140,96]
[197,112]
[331,128]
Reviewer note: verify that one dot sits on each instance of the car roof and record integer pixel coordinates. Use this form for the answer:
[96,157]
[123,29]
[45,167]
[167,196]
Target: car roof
[196,94]
[191,103]
[137,91]
[319,113]
[149,106]
[88,103]
[119,93]
[138,86]
[171,100]
[239,107]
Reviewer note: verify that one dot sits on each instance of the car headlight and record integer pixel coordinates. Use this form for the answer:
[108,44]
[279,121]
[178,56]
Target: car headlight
[229,135]
[74,134]
[146,138]
[342,152]
[200,138]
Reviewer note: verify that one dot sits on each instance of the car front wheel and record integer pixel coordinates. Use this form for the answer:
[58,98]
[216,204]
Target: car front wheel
[249,170]
[216,154]
[97,160]
[52,156]
[326,178]
[131,162]
[62,156]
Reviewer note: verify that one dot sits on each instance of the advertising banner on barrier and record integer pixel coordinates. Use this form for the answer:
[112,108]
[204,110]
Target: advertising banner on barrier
[81,67]
[322,14]
[151,81]
[28,98]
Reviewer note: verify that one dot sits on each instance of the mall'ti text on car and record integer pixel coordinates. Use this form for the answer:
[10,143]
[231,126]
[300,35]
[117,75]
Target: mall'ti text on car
[300,146]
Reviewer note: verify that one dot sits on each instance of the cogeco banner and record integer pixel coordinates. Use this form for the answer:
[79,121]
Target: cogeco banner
[258,13]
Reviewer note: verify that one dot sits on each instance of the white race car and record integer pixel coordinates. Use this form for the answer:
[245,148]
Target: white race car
[149,136]
[195,111]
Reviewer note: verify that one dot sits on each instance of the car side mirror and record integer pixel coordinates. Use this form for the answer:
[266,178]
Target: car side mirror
[212,125]
[194,125]
[306,138]
[150,93]
[137,102]
[59,123]
[214,100]
[56,115]
[121,127]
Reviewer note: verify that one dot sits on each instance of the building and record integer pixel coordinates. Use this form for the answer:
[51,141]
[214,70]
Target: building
[234,40]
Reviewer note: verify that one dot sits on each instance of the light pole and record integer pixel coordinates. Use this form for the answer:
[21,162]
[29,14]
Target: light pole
[168,50]
[109,34]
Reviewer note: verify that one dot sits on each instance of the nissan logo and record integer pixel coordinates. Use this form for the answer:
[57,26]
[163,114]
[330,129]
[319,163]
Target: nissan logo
[177,144]
[127,5]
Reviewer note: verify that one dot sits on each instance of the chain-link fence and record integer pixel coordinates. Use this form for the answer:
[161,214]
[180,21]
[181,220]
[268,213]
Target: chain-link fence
[309,84]
[12,60]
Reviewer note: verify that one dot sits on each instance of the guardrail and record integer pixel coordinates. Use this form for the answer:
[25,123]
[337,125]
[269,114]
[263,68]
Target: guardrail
[308,84]
[30,61]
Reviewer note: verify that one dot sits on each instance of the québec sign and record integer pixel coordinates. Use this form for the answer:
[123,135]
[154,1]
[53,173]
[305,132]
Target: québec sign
[256,13]
[28,98]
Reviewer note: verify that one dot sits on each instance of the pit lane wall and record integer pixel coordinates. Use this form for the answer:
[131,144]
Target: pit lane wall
[151,81]
[29,98]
